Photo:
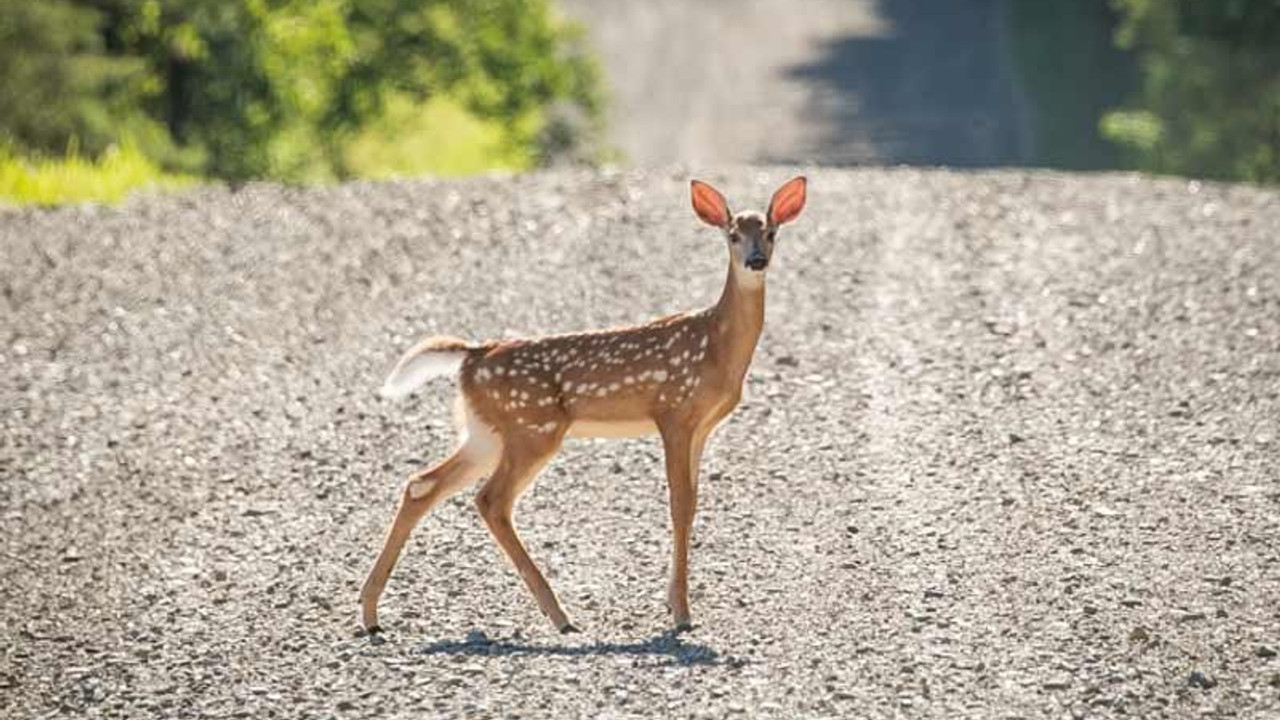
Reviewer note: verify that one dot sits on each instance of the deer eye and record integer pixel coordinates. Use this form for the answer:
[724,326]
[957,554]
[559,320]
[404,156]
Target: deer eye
[734,237]
[771,235]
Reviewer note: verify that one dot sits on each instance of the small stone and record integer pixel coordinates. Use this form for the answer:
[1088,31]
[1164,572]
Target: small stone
[1058,683]
[1139,635]
[1264,651]
[1201,680]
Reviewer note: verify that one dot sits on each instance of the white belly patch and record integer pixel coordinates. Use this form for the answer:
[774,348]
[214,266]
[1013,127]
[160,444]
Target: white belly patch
[612,429]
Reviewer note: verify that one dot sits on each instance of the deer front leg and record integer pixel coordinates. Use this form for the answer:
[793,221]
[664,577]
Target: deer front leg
[683,449]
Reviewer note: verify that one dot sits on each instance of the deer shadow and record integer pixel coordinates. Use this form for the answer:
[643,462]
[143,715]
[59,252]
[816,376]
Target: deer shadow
[666,644]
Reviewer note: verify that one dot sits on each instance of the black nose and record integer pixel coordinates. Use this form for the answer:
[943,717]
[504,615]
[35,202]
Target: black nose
[757,262]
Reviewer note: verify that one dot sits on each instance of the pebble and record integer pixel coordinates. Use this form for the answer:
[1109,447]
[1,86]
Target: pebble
[1200,680]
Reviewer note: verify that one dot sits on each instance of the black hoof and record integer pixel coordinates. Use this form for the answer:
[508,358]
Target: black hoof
[371,631]
[683,627]
[569,629]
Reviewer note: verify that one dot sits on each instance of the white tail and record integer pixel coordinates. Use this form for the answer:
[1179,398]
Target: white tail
[677,376]
[433,357]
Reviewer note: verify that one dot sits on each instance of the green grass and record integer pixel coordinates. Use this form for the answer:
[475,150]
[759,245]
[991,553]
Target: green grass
[438,138]
[74,178]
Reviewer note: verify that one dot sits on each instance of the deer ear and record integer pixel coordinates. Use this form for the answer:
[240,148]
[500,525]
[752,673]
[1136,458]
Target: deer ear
[709,204]
[788,201]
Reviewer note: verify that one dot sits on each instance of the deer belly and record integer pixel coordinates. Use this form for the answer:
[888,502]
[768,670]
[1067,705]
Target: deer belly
[612,428]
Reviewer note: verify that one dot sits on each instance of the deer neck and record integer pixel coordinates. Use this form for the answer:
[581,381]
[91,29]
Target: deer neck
[738,319]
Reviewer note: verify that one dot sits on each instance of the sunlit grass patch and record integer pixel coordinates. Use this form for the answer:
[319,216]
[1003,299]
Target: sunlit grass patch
[75,178]
[438,138]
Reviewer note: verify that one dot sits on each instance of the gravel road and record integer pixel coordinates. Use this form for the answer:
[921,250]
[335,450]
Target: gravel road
[826,82]
[1009,449]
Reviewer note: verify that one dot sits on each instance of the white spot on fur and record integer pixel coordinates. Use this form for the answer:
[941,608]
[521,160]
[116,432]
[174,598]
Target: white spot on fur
[660,375]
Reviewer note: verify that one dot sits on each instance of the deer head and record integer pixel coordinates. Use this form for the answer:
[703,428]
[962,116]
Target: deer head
[750,235]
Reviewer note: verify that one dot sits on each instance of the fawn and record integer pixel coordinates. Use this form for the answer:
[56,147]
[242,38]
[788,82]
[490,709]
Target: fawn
[676,377]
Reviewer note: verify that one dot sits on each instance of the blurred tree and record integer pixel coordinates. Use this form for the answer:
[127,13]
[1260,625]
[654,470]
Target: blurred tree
[505,60]
[1210,98]
[58,82]
[242,89]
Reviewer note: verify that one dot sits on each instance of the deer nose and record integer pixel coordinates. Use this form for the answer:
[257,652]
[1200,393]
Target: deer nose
[757,262]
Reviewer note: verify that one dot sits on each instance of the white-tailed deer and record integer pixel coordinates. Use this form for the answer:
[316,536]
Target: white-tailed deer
[677,376]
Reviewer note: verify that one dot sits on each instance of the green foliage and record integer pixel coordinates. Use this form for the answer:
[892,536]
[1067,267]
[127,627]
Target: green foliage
[281,89]
[1210,98]
[504,60]
[58,80]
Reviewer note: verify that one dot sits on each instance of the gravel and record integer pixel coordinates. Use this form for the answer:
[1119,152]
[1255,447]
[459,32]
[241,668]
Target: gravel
[1008,449]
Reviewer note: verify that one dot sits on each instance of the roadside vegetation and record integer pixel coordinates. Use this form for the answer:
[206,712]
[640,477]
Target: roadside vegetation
[100,96]
[1167,86]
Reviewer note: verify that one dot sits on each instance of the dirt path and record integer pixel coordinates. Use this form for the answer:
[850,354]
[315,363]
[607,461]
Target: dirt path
[827,82]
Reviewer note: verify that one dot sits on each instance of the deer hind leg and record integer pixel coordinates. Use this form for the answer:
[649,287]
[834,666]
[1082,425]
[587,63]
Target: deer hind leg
[521,461]
[422,492]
